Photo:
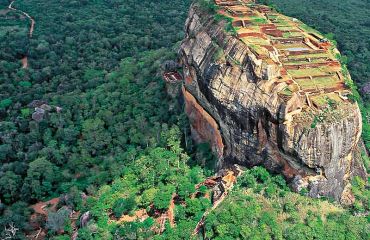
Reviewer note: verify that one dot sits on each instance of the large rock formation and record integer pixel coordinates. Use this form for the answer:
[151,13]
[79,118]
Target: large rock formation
[253,111]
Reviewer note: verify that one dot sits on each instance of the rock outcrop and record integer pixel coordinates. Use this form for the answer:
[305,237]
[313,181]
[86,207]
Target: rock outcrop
[253,111]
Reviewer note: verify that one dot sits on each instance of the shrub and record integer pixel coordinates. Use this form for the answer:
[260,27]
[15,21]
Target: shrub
[85,233]
[25,112]
[261,174]
[289,207]
[258,188]
[180,213]
[163,197]
[208,6]
[5,103]
[185,188]
[193,207]
[271,190]
[280,181]
[203,190]
[25,84]
[58,220]
[123,206]
[248,180]
[299,232]
[148,196]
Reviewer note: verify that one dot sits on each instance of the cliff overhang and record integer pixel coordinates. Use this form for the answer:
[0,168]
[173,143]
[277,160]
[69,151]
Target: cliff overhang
[265,89]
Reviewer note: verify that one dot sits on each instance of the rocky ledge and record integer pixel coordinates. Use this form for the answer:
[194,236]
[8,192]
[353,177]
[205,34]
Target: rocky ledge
[269,91]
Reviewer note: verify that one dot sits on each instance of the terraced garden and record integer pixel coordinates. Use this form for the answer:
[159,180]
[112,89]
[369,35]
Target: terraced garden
[309,66]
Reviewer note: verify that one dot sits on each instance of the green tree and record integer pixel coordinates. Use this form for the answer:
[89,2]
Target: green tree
[261,174]
[5,103]
[57,220]
[10,184]
[124,206]
[163,197]
[148,196]
[185,188]
[40,179]
[95,137]
[5,151]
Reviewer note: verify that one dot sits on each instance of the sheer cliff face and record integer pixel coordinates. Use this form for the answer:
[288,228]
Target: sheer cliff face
[232,101]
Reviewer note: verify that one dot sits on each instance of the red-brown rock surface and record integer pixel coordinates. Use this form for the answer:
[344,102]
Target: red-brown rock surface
[203,126]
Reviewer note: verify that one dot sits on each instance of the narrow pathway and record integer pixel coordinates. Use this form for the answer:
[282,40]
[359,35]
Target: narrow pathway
[32,27]
[24,62]
[227,181]
[205,214]
[171,211]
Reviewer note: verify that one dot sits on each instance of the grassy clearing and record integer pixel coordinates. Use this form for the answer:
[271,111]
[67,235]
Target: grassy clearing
[258,20]
[305,61]
[323,100]
[258,49]
[306,56]
[297,34]
[292,34]
[306,84]
[325,82]
[286,28]
[257,40]
[309,72]
[293,45]
[282,22]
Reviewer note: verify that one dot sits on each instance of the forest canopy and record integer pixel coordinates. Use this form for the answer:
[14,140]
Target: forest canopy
[90,101]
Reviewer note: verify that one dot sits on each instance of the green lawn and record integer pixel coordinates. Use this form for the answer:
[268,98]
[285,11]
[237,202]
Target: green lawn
[258,20]
[309,55]
[324,82]
[310,72]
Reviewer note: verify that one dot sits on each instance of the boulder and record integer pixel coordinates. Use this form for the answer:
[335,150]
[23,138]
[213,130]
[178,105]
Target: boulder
[233,102]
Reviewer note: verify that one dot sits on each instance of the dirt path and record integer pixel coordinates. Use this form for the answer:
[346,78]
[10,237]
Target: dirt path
[171,211]
[32,28]
[205,214]
[228,181]
[41,207]
[24,62]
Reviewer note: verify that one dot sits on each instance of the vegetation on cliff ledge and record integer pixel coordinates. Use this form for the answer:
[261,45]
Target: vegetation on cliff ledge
[262,207]
[347,22]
